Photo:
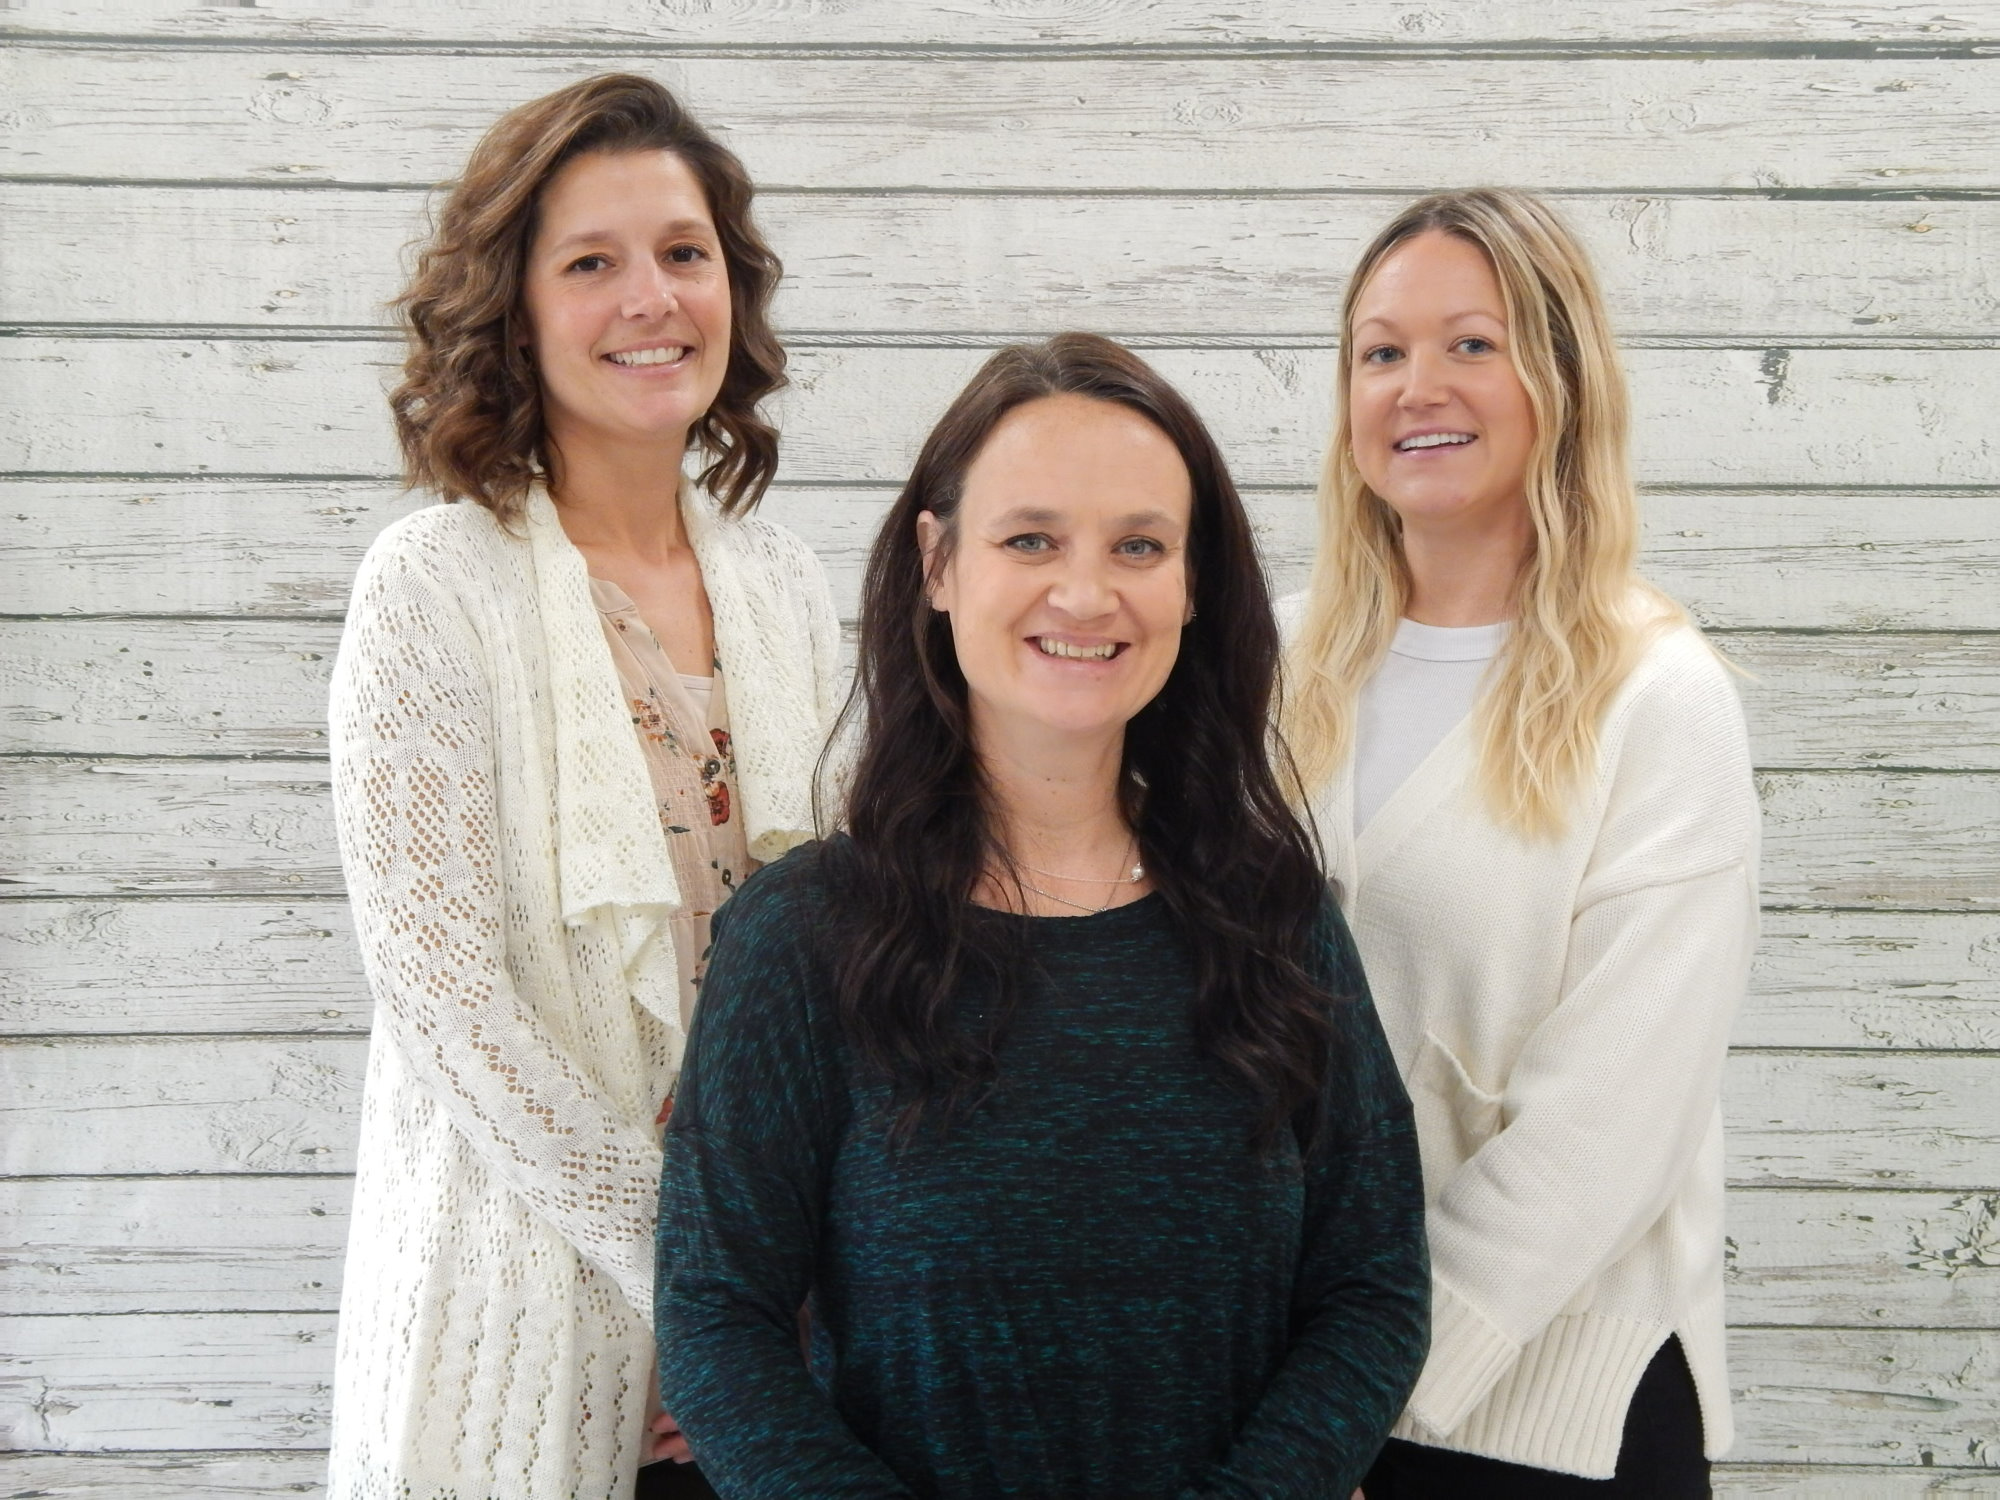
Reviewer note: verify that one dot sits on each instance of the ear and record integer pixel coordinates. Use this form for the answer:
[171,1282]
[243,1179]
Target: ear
[937,580]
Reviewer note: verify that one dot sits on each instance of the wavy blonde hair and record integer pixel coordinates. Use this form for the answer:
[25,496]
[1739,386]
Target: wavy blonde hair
[1581,613]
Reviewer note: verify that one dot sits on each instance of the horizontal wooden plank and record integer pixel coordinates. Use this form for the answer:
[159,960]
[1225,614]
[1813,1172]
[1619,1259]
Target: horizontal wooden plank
[115,967]
[173,1244]
[1875,979]
[1079,122]
[269,1104]
[180,1105]
[151,687]
[1093,23]
[1733,1481]
[1862,1259]
[282,548]
[1852,980]
[1860,839]
[154,406]
[275,1244]
[1745,269]
[218,1380]
[1918,1400]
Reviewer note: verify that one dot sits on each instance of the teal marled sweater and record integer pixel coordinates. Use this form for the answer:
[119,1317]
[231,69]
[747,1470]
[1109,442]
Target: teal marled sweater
[1091,1289]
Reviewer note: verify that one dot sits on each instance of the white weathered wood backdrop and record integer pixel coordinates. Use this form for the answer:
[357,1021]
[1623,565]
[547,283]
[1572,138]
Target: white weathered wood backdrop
[1796,207]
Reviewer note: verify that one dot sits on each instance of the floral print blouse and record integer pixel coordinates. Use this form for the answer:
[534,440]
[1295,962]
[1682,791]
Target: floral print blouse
[685,741]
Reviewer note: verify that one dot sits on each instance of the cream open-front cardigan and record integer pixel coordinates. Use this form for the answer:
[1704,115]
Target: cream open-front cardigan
[1560,1010]
[510,886]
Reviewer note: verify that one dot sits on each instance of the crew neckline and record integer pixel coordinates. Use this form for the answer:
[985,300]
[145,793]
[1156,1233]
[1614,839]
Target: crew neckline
[1449,642]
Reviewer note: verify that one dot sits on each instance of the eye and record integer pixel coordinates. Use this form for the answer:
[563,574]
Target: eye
[1141,547]
[1030,543]
[1381,354]
[687,255]
[589,263]
[1472,343]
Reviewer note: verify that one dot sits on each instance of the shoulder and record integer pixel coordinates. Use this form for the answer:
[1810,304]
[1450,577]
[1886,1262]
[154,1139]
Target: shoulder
[442,542]
[1679,689]
[782,904]
[762,544]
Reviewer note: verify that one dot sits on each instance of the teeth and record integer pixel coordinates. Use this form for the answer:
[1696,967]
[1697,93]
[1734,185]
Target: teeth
[1433,440]
[1051,647]
[649,356]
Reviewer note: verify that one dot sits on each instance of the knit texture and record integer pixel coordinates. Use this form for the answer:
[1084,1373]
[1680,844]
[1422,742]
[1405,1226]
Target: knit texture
[510,888]
[1093,1287]
[1560,1009]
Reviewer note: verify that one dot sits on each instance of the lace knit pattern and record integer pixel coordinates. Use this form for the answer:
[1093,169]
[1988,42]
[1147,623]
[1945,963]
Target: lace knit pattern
[510,890]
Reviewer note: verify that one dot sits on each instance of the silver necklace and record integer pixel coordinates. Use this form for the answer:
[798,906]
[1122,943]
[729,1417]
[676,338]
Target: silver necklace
[1111,886]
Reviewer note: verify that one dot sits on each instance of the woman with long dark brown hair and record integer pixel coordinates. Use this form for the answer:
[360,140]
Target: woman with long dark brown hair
[1051,1084]
[571,711]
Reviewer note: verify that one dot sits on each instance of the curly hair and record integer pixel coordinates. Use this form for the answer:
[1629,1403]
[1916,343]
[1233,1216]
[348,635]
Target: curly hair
[469,409]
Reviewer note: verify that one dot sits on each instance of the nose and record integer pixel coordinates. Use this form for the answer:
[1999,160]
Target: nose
[647,294]
[1082,588]
[1424,382]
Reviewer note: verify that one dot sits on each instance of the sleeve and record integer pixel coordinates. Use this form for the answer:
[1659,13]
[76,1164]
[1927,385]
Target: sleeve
[1361,1309]
[742,1197]
[421,837]
[1613,1093]
[823,625]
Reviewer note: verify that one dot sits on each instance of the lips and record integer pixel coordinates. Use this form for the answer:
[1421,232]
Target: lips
[635,359]
[1423,442]
[1070,651]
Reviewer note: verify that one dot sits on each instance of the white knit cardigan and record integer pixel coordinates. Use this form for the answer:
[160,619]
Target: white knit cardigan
[1560,1009]
[509,883]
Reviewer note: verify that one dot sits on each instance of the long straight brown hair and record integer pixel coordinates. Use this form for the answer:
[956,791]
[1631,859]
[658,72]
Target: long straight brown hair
[469,409]
[1236,868]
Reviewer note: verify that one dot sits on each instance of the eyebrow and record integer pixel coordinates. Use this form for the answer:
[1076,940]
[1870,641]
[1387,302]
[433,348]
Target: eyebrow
[591,236]
[1039,515]
[1457,317]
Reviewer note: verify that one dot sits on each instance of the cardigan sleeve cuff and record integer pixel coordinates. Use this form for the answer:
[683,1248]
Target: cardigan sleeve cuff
[1468,1356]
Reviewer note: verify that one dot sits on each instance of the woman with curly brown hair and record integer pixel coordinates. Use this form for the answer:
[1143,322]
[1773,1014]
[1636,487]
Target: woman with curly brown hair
[571,711]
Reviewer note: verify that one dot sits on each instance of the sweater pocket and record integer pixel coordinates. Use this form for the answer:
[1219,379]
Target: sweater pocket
[1454,1115]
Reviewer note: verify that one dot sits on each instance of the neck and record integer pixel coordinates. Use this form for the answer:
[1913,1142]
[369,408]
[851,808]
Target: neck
[619,499]
[1055,802]
[1465,573]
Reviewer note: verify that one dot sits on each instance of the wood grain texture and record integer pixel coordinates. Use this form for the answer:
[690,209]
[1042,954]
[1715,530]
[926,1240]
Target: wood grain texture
[1733,268]
[173,1244]
[1861,839]
[1858,839]
[178,687]
[257,1380]
[274,1244]
[1160,123]
[188,967]
[289,1104]
[1080,23]
[1861,1259]
[1875,979]
[275,548]
[316,409]
[299,1475]
[216,1380]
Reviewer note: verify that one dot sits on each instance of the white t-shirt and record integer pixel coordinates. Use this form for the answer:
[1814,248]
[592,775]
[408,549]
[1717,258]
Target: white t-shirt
[1428,682]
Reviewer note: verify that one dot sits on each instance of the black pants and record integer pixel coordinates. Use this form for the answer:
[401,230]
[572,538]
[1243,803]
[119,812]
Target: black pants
[672,1481]
[1659,1457]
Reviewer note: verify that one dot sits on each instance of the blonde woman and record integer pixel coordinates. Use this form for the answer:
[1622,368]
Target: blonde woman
[570,713]
[1533,782]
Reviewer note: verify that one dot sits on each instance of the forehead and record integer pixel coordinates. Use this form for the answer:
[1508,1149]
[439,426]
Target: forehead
[619,188]
[1076,454]
[1433,274]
